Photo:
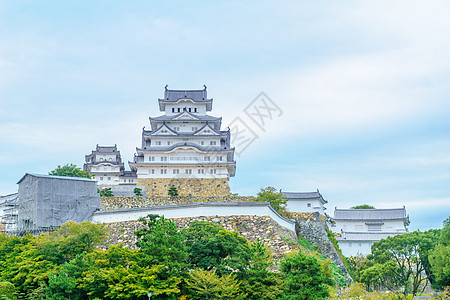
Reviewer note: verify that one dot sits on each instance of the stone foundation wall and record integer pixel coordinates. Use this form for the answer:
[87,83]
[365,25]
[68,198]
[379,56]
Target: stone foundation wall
[186,186]
[312,227]
[113,203]
[251,227]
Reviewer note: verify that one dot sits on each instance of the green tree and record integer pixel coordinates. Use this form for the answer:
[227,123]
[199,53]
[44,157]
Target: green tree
[276,199]
[440,258]
[172,192]
[137,191]
[305,278]
[70,170]
[71,239]
[205,284]
[212,247]
[106,192]
[162,244]
[258,282]
[363,206]
[410,253]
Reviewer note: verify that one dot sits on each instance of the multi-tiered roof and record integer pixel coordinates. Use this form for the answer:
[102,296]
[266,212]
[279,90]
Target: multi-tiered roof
[185,141]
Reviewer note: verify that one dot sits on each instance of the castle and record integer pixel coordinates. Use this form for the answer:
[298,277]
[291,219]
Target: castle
[184,148]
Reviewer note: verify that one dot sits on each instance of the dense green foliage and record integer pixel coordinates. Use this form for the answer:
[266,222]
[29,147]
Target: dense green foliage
[106,192]
[70,170]
[440,258]
[363,206]
[172,192]
[276,199]
[137,191]
[305,278]
[203,261]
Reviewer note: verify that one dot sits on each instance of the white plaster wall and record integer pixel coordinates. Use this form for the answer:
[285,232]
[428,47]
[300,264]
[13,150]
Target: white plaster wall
[302,206]
[195,211]
[201,108]
[106,157]
[146,172]
[354,248]
[360,226]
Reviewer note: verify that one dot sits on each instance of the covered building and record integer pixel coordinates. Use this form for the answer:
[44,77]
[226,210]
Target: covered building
[305,202]
[45,202]
[358,229]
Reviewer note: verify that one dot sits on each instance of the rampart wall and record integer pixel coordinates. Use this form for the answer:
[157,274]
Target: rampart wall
[186,186]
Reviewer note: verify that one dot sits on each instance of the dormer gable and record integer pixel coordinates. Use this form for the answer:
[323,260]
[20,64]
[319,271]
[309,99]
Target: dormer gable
[164,130]
[185,115]
[207,130]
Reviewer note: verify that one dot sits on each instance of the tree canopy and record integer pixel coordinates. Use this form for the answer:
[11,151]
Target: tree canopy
[276,199]
[363,206]
[70,170]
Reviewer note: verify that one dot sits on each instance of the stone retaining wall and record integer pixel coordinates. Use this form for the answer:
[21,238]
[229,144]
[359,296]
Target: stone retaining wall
[312,227]
[251,227]
[186,186]
[113,203]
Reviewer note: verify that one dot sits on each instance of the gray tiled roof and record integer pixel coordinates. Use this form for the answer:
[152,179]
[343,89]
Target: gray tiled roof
[175,95]
[196,118]
[106,149]
[305,195]
[186,144]
[370,214]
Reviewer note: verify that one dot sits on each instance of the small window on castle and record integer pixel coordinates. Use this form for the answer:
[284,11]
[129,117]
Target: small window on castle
[158,143]
[213,171]
[201,171]
[152,171]
[176,171]
[163,171]
[173,109]
[151,158]
[207,158]
[188,171]
[179,109]
[110,159]
[190,109]
[101,178]
[195,109]
[109,178]
[194,128]
[163,158]
[101,158]
[308,205]
[212,143]
[202,143]
[219,158]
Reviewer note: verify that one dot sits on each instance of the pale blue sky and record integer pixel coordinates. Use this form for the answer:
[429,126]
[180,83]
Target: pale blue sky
[363,86]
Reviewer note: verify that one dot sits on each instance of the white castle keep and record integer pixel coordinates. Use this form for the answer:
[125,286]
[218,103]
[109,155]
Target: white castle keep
[185,147]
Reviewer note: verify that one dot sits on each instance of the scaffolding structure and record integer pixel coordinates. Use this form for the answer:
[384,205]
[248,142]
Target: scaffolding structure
[46,202]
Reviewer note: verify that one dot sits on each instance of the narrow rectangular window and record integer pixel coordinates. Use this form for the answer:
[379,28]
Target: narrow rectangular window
[173,109]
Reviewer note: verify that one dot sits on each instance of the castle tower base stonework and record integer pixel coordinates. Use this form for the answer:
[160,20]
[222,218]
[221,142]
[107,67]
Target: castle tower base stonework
[201,187]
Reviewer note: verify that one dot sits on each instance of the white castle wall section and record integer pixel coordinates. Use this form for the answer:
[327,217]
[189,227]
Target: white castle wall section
[196,210]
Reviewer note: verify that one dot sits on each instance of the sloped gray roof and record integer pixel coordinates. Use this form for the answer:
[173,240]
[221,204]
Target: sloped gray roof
[186,144]
[195,95]
[304,195]
[370,214]
[54,177]
[106,149]
[198,118]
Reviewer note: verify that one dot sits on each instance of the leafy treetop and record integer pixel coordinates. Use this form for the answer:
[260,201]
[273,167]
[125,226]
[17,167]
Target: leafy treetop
[70,170]
[363,206]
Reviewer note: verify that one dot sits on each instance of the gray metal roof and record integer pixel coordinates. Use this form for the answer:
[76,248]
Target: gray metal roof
[54,177]
[304,195]
[370,214]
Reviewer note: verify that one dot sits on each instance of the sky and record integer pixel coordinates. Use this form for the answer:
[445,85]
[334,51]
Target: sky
[357,91]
